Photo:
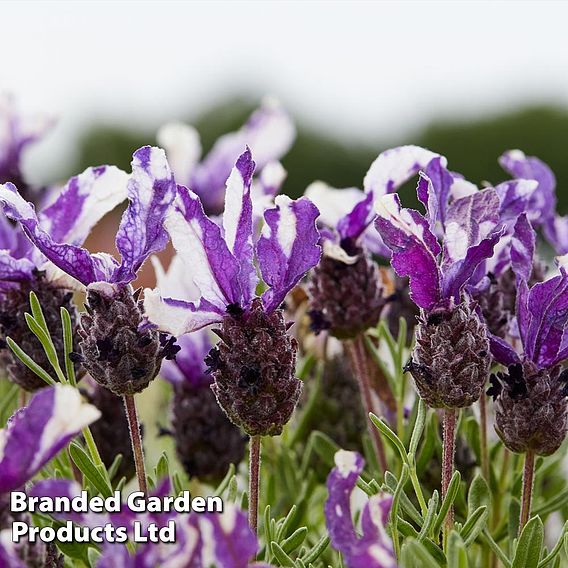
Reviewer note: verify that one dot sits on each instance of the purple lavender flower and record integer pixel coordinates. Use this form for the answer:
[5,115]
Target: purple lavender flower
[17,132]
[530,398]
[83,201]
[254,364]
[116,353]
[207,443]
[269,132]
[373,549]
[541,209]
[450,363]
[346,292]
[33,436]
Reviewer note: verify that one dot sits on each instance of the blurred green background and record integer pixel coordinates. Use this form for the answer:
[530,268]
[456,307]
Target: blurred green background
[472,147]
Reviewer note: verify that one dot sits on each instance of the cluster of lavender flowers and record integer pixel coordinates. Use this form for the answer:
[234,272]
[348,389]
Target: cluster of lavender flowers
[291,324]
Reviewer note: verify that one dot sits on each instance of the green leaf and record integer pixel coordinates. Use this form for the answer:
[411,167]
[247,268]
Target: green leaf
[162,469]
[553,504]
[513,521]
[474,525]
[317,550]
[177,482]
[417,432]
[224,484]
[415,555]
[8,398]
[29,362]
[408,531]
[529,547]
[268,534]
[93,556]
[478,495]
[280,555]
[112,470]
[68,344]
[233,489]
[394,507]
[390,435]
[555,551]
[89,469]
[325,447]
[37,312]
[450,497]
[457,552]
[294,540]
[284,527]
[430,516]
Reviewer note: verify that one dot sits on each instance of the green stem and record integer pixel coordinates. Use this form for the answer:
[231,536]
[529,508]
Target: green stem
[418,490]
[483,437]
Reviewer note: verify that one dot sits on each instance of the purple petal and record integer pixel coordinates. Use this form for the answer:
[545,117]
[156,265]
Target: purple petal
[469,220]
[514,197]
[15,269]
[228,542]
[288,247]
[502,352]
[556,232]
[394,167]
[83,202]
[542,204]
[272,178]
[37,432]
[188,366]
[358,219]
[522,248]
[547,320]
[465,271]
[374,549]
[414,248]
[199,243]
[269,133]
[237,223]
[434,188]
[151,190]
[9,557]
[73,260]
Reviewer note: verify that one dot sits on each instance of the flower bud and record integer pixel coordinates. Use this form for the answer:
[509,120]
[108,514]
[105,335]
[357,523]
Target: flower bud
[345,298]
[115,351]
[450,363]
[530,407]
[13,306]
[254,367]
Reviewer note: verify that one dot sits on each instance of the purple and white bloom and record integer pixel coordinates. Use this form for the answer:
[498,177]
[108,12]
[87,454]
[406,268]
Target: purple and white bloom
[269,133]
[117,354]
[531,408]
[37,432]
[17,133]
[206,442]
[254,365]
[541,210]
[373,548]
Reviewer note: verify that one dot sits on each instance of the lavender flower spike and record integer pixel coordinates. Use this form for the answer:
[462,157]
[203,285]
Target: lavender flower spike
[37,432]
[374,548]
[254,365]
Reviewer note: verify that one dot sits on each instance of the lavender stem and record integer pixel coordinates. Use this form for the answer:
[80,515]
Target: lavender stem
[254,482]
[448,452]
[136,439]
[483,437]
[528,483]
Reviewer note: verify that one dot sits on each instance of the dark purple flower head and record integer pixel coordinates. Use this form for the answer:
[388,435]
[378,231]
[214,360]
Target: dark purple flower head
[254,364]
[37,432]
[373,549]
[269,132]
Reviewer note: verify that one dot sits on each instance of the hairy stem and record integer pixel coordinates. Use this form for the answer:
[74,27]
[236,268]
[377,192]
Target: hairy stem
[528,483]
[254,481]
[448,452]
[357,352]
[483,437]
[136,439]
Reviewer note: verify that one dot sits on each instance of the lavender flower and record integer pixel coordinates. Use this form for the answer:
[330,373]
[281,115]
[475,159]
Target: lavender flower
[346,292]
[254,364]
[83,201]
[373,549]
[269,133]
[207,443]
[450,363]
[17,132]
[117,354]
[33,436]
[530,398]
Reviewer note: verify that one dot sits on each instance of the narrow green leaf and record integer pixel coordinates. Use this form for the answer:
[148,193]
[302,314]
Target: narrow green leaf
[394,507]
[325,447]
[415,555]
[408,531]
[177,482]
[513,522]
[280,555]
[430,516]
[233,490]
[89,469]
[316,551]
[162,469]
[225,482]
[37,312]
[7,399]
[284,528]
[488,539]
[448,501]
[29,362]
[478,495]
[555,551]
[457,552]
[474,525]
[294,540]
[417,431]
[390,435]
[68,344]
[112,470]
[529,547]
[553,504]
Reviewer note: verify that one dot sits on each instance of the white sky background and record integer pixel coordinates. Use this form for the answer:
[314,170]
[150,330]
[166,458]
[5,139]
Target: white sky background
[364,71]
